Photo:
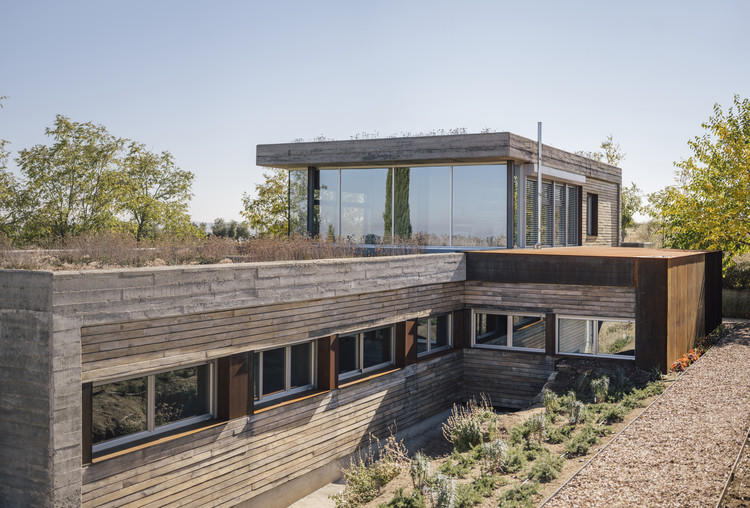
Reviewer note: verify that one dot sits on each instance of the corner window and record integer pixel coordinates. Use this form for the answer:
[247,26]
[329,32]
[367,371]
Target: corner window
[601,337]
[283,371]
[365,351]
[433,333]
[559,214]
[592,214]
[134,409]
[520,331]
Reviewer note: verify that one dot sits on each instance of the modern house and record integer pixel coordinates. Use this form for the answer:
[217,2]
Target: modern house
[238,384]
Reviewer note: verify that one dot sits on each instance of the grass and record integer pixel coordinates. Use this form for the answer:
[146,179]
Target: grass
[116,250]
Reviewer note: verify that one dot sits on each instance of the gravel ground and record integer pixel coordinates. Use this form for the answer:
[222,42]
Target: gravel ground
[681,450]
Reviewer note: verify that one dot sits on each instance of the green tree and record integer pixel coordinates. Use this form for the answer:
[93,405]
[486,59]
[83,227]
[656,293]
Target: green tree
[709,206]
[72,184]
[154,193]
[232,229]
[632,203]
[611,152]
[268,211]
[402,222]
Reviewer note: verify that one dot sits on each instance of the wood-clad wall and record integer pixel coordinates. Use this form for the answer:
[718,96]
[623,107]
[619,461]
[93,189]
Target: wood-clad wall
[686,308]
[510,378]
[118,349]
[232,462]
[609,212]
[616,302]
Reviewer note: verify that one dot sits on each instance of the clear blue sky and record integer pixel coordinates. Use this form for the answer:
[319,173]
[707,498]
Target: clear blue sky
[208,81]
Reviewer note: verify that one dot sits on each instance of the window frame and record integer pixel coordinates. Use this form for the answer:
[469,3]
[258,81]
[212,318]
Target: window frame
[361,352]
[595,338]
[592,214]
[151,429]
[287,391]
[509,329]
[429,349]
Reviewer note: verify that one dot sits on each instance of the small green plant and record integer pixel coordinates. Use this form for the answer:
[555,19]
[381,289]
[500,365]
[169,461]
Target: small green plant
[611,413]
[485,485]
[399,500]
[519,496]
[600,388]
[578,413]
[464,496]
[559,435]
[551,402]
[457,465]
[546,468]
[492,456]
[519,434]
[419,469]
[465,426]
[582,385]
[537,425]
[580,443]
[514,458]
[441,491]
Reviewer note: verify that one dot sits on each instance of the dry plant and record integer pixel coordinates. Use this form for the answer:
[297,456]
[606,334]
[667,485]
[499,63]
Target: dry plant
[468,423]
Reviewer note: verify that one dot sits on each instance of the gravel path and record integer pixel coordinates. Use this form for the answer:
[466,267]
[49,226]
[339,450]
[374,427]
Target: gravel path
[681,449]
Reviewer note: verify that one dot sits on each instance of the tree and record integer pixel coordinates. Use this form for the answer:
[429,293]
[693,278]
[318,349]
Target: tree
[154,193]
[709,206]
[71,184]
[631,204]
[611,152]
[232,229]
[402,222]
[268,211]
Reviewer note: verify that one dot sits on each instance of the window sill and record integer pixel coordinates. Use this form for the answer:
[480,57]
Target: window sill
[152,441]
[284,401]
[509,348]
[368,376]
[429,355]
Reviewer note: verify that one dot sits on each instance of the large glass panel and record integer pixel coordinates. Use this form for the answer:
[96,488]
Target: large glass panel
[421,206]
[529,332]
[548,214]
[363,204]
[480,198]
[616,337]
[575,336]
[348,353]
[560,215]
[491,329]
[377,347]
[442,331]
[119,409]
[301,362]
[327,217]
[298,201]
[274,373]
[181,394]
[423,333]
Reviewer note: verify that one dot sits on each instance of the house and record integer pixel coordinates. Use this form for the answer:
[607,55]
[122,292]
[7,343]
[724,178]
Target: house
[240,384]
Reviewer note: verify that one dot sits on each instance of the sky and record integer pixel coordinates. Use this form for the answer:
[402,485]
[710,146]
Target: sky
[208,81]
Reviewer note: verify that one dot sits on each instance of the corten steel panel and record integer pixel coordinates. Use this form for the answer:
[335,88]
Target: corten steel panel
[550,269]
[550,321]
[87,436]
[462,328]
[327,363]
[410,342]
[686,309]
[713,290]
[651,306]
[235,386]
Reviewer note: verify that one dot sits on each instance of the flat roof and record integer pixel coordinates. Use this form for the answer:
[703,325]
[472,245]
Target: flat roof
[597,251]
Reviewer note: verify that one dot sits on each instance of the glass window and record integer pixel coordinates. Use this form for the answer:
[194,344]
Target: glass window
[572,215]
[592,214]
[126,411]
[480,199]
[433,333]
[283,371]
[298,201]
[561,216]
[559,213]
[421,210]
[364,351]
[327,199]
[363,204]
[505,330]
[596,337]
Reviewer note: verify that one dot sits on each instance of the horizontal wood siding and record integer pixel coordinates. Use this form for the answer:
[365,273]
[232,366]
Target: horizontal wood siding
[686,308]
[233,462]
[510,378]
[117,349]
[609,212]
[552,298]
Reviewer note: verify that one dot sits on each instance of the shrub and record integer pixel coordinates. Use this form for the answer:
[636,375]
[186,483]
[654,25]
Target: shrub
[559,435]
[537,425]
[580,443]
[464,426]
[399,500]
[465,496]
[600,388]
[551,402]
[737,276]
[546,468]
[441,491]
[519,496]
[582,385]
[460,467]
[419,469]
[578,413]
[485,484]
[611,413]
[513,459]
[492,455]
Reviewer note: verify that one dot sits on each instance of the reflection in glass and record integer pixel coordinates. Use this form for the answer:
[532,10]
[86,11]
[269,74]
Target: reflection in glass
[119,409]
[422,335]
[376,347]
[480,198]
[327,199]
[363,204]
[575,336]
[529,332]
[348,354]
[491,329]
[442,331]
[428,205]
[298,201]
[181,394]
[274,374]
[616,337]
[301,362]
